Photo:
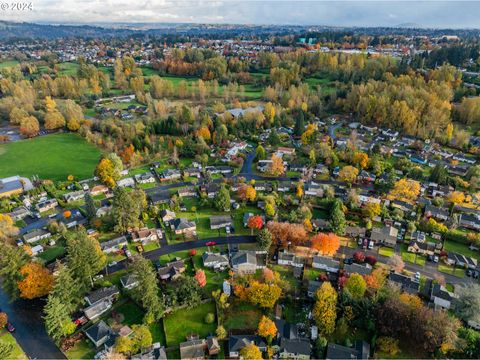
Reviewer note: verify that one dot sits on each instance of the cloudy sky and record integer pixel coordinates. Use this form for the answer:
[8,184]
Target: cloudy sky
[457,14]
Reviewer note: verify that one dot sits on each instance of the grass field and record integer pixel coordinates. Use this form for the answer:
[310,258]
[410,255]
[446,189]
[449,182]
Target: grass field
[463,249]
[50,157]
[242,315]
[184,322]
[8,63]
[17,353]
[386,251]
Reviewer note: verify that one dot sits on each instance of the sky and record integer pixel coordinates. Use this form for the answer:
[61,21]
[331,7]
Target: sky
[437,14]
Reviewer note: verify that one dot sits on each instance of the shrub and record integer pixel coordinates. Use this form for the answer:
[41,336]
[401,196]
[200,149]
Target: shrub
[371,260]
[209,318]
[388,345]
[359,256]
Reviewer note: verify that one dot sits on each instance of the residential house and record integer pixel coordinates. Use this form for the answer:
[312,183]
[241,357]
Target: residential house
[36,235]
[211,190]
[402,205]
[361,350]
[214,260]
[405,283]
[326,263]
[366,176]
[99,333]
[313,286]
[146,236]
[126,182]
[264,165]
[75,218]
[167,215]
[36,250]
[355,231]
[436,213]
[145,178]
[281,151]
[237,342]
[192,171]
[155,352]
[213,347]
[219,169]
[320,224]
[193,349]
[103,211]
[386,235]
[290,259]
[74,196]
[105,293]
[171,270]
[19,213]
[460,260]
[98,190]
[441,297]
[313,189]
[46,205]
[422,248]
[295,349]
[160,197]
[220,221]
[183,226]
[188,191]
[469,221]
[129,281]
[11,186]
[114,244]
[362,269]
[247,262]
[96,310]
[170,175]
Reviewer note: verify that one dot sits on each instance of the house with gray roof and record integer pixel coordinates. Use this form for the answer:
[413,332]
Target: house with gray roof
[237,342]
[99,333]
[247,262]
[36,235]
[183,226]
[114,244]
[362,269]
[326,263]
[361,350]
[220,221]
[214,260]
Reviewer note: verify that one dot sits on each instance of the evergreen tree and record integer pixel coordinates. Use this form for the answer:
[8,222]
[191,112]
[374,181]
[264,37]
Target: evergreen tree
[12,259]
[222,199]
[66,288]
[337,218]
[146,292]
[127,208]
[264,239]
[57,319]
[90,206]
[299,124]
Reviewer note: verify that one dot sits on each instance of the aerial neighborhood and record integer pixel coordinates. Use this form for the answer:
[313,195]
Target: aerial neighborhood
[310,196]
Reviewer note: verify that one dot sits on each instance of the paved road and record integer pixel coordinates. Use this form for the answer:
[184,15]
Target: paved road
[26,316]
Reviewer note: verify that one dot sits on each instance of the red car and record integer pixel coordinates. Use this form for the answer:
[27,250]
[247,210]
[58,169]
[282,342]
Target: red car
[211,243]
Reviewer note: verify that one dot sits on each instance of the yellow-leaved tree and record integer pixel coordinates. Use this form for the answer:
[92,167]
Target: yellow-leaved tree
[325,309]
[267,328]
[405,190]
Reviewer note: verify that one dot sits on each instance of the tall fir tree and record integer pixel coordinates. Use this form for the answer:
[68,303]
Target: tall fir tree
[12,259]
[57,319]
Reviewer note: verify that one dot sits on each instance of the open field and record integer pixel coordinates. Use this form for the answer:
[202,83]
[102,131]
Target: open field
[8,63]
[17,353]
[51,157]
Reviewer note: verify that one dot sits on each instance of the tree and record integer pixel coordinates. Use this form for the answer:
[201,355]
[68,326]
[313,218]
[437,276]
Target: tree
[337,218]
[255,222]
[124,345]
[36,281]
[439,174]
[359,256]
[105,172]
[6,349]
[7,228]
[85,258]
[221,332]
[127,207]
[276,168]
[251,352]
[260,153]
[50,104]
[467,305]
[209,318]
[299,124]
[324,310]
[356,286]
[326,244]
[285,233]
[12,259]
[267,329]
[3,320]
[388,345]
[348,174]
[57,318]
[360,159]
[371,210]
[263,295]
[396,263]
[247,192]
[405,190]
[456,197]
[146,292]
[141,338]
[201,278]
[222,199]
[264,239]
[300,189]
[54,120]
[65,287]
[29,126]
[90,206]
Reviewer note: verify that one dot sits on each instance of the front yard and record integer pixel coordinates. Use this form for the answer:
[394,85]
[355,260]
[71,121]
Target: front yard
[242,316]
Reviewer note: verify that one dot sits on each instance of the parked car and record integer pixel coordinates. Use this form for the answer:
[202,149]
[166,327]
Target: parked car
[348,261]
[370,245]
[128,254]
[210,243]
[435,259]
[360,241]
[10,327]
[139,248]
[417,275]
[227,229]
[80,321]
[113,263]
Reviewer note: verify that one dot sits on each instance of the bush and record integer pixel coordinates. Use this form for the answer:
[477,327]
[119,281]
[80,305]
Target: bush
[388,345]
[209,318]
[371,260]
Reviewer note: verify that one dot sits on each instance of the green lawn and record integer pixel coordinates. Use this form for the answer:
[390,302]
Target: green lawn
[131,312]
[51,157]
[214,279]
[82,350]
[463,249]
[449,270]
[386,251]
[411,257]
[242,315]
[8,63]
[52,253]
[184,322]
[17,353]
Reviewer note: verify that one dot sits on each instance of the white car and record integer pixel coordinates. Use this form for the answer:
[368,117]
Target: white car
[370,245]
[113,263]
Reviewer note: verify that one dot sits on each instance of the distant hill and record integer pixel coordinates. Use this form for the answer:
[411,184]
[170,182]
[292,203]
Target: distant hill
[409,25]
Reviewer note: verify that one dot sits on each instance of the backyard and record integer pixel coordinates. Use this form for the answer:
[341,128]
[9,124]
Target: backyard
[242,316]
[50,157]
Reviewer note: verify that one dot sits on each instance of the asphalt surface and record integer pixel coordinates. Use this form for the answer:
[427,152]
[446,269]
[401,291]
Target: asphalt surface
[30,333]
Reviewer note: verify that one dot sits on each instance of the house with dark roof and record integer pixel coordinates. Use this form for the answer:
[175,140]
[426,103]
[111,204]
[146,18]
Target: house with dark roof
[36,235]
[19,213]
[129,281]
[326,263]
[188,191]
[320,224]
[237,342]
[404,283]
[424,248]
[460,260]
[211,189]
[355,231]
[193,349]
[105,293]
[160,197]
[99,333]
[213,347]
[11,186]
[46,205]
[247,262]
[97,309]
[362,269]
[171,270]
[290,259]
[436,213]
[155,352]
[114,244]
[220,221]
[170,175]
[74,196]
[469,221]
[361,350]
[386,235]
[299,349]
[183,226]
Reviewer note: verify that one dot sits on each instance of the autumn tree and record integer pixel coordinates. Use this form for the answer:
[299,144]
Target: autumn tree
[396,263]
[356,286]
[276,168]
[324,310]
[405,190]
[371,210]
[251,352]
[106,173]
[247,193]
[36,281]
[326,244]
[201,278]
[348,174]
[284,232]
[8,230]
[29,126]
[267,329]
[3,320]
[54,120]
[360,159]
[263,295]
[456,197]
[255,222]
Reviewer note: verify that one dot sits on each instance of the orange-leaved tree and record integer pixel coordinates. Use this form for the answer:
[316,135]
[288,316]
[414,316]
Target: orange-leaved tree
[326,244]
[201,278]
[267,328]
[255,222]
[37,281]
